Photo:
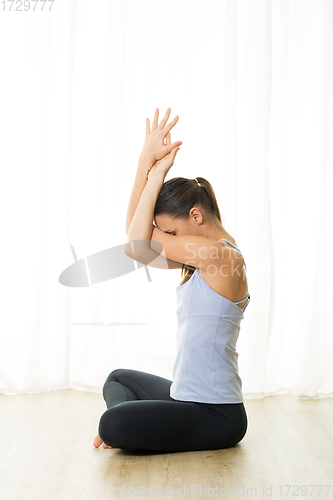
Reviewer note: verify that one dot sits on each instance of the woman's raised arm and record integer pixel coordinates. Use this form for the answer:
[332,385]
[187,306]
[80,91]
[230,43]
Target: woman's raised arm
[156,146]
[140,182]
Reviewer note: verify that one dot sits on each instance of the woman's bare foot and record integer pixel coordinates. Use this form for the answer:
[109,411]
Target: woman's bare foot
[97,442]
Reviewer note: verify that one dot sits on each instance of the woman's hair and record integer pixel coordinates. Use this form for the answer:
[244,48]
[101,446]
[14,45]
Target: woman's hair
[176,198]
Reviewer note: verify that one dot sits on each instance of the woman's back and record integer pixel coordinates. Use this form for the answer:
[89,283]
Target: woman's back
[206,368]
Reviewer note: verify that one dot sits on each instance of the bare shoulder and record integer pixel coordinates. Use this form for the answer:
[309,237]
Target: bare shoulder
[227,275]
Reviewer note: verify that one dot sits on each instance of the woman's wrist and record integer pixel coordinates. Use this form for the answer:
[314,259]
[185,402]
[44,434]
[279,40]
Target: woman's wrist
[145,163]
[156,176]
[145,166]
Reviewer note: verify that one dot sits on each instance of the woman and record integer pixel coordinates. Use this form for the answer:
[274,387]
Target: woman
[202,408]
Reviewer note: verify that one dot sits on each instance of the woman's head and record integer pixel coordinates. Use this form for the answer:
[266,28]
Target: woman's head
[184,207]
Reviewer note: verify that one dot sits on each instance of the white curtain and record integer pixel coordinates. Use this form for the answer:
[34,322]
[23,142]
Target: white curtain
[252,84]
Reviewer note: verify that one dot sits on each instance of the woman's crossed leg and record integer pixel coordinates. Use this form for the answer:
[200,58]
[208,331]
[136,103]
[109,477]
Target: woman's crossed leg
[141,415]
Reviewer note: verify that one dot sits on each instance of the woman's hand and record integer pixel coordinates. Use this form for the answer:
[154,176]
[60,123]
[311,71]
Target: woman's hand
[154,148]
[163,166]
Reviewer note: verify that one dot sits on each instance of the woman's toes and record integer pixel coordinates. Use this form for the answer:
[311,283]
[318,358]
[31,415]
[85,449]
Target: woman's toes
[106,446]
[97,441]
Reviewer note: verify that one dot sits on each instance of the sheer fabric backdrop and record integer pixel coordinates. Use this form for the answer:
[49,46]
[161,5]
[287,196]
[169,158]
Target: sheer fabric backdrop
[252,85]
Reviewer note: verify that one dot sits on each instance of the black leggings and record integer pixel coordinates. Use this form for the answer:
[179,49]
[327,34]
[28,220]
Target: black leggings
[142,415]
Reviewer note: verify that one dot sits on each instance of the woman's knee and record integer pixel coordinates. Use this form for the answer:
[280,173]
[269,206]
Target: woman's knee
[112,377]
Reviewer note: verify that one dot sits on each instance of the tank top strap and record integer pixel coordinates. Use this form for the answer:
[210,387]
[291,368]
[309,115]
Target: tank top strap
[230,244]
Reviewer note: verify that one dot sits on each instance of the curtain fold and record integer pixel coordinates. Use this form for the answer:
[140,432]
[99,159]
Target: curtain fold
[252,85]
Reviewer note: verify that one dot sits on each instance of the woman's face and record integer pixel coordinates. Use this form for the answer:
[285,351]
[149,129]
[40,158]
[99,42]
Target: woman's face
[180,227]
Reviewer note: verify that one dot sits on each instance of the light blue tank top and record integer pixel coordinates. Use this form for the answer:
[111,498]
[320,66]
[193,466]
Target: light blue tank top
[206,368]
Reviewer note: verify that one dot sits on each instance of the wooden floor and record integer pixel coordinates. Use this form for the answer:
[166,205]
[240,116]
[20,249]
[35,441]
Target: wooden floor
[47,454]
